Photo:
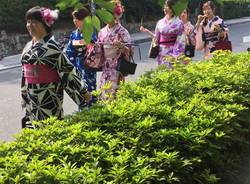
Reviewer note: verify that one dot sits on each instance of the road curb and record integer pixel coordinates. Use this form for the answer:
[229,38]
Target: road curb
[9,67]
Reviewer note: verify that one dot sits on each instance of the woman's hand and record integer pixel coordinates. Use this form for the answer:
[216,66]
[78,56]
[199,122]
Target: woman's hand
[143,29]
[118,44]
[222,35]
[87,96]
[200,19]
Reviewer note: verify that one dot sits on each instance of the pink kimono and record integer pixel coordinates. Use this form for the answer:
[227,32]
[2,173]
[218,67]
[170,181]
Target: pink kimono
[171,39]
[206,37]
[109,73]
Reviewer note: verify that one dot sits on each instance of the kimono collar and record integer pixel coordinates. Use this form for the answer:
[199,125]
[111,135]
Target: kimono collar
[114,27]
[214,19]
[43,40]
[170,20]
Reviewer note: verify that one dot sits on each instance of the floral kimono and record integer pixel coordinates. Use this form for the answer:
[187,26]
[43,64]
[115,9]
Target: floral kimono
[76,56]
[171,39]
[46,72]
[109,73]
[206,37]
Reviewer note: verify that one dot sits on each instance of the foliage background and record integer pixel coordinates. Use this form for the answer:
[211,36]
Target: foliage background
[12,12]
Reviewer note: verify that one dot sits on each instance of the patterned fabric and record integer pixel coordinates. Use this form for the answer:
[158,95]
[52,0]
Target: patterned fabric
[206,37]
[110,74]
[187,28]
[44,100]
[173,26]
[76,55]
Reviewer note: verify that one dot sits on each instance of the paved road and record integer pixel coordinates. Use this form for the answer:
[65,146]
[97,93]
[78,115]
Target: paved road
[10,109]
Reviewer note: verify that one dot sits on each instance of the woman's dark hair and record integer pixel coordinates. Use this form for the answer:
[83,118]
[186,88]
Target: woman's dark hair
[210,4]
[170,4]
[35,14]
[80,13]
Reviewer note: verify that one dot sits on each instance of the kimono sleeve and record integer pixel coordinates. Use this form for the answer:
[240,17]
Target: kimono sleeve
[24,100]
[179,46]
[71,79]
[157,32]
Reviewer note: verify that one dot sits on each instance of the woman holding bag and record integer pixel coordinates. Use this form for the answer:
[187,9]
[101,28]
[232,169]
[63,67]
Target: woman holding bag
[114,38]
[210,29]
[76,50]
[169,35]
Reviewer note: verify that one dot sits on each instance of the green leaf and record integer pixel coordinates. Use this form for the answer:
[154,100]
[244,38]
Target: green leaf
[87,29]
[105,16]
[96,22]
[180,6]
[62,5]
[161,2]
[107,5]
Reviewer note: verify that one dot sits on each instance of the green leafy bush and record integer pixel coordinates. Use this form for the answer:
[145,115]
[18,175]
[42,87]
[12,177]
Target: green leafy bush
[183,126]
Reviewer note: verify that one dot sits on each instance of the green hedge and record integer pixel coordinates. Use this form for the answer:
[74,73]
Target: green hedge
[236,9]
[183,126]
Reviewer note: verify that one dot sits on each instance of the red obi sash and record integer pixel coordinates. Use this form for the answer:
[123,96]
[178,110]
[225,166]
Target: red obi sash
[168,39]
[38,74]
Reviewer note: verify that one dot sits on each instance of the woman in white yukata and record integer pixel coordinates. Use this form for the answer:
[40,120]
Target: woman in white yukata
[169,33]
[209,29]
[113,37]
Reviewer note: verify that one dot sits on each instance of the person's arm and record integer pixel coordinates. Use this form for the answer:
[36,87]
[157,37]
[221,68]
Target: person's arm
[200,44]
[24,100]
[145,30]
[75,87]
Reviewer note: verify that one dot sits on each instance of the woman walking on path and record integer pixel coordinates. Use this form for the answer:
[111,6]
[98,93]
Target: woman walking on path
[113,37]
[209,30]
[169,33]
[76,49]
[46,71]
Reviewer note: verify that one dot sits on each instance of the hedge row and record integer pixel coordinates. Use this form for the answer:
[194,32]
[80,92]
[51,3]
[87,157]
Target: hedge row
[183,126]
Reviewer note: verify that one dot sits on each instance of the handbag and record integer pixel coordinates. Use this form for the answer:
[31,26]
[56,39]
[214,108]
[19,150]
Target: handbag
[223,45]
[124,66]
[154,49]
[189,49]
[94,58]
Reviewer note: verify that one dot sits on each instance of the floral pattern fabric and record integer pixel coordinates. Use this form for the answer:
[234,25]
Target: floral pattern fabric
[109,73]
[172,26]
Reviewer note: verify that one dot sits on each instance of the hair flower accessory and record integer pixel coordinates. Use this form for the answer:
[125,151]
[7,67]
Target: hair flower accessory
[49,16]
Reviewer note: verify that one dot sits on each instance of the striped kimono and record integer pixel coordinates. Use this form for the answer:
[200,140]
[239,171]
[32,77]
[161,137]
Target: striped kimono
[206,37]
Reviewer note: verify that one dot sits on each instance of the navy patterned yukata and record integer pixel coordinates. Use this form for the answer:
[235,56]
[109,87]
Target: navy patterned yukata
[76,56]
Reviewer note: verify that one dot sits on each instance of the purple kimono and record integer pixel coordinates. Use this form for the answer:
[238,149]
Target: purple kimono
[110,75]
[171,39]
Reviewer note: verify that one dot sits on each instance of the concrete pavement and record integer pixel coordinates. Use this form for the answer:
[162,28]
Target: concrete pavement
[14,61]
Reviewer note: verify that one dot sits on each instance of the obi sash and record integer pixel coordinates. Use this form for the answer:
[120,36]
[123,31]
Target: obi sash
[110,51]
[210,37]
[38,74]
[168,39]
